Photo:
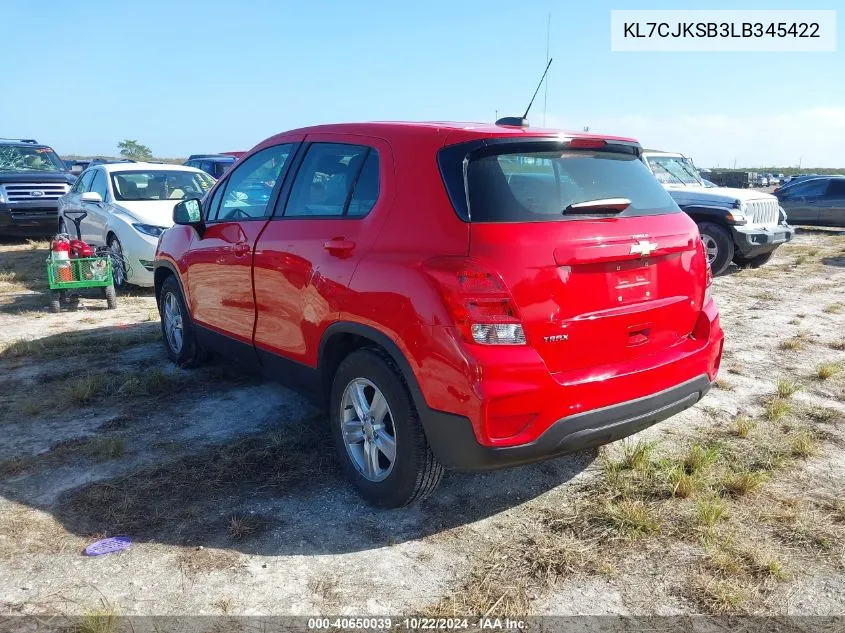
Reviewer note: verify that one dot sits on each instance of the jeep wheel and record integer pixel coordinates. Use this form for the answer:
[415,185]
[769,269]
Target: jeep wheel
[718,245]
[753,262]
[377,432]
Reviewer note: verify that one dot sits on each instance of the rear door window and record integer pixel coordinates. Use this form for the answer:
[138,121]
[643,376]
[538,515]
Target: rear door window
[539,186]
[809,189]
[335,180]
[836,188]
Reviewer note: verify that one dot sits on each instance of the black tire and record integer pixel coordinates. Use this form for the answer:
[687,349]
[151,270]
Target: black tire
[752,262]
[718,237]
[117,263]
[189,354]
[111,296]
[55,302]
[415,473]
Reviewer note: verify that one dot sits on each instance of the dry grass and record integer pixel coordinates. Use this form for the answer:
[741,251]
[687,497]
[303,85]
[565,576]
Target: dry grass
[632,518]
[241,527]
[776,408]
[827,370]
[79,343]
[833,308]
[743,426]
[106,620]
[189,493]
[765,295]
[635,454]
[792,344]
[724,385]
[204,560]
[97,386]
[787,387]
[838,345]
[105,448]
[710,511]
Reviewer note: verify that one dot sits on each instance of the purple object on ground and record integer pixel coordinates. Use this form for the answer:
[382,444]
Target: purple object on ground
[108,546]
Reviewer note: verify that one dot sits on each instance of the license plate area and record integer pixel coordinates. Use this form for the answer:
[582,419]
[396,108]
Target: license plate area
[631,281]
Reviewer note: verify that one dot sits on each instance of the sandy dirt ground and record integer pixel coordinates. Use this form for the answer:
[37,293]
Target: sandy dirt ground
[228,487]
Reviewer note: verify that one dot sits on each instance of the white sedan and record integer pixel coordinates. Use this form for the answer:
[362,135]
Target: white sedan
[128,205]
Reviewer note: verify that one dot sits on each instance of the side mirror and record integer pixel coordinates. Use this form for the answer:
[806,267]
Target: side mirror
[92,196]
[188,212]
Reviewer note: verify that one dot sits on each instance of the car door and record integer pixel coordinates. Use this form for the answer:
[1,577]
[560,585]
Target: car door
[832,204]
[801,202]
[327,219]
[219,261]
[94,225]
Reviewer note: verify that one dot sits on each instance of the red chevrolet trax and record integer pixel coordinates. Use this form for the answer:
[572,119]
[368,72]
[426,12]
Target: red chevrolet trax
[459,295]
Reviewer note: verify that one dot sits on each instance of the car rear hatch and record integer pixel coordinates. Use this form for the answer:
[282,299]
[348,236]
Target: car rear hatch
[601,264]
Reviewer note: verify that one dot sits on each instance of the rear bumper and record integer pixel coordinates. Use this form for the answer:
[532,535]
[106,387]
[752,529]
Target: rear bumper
[751,242]
[455,445]
[515,411]
[29,219]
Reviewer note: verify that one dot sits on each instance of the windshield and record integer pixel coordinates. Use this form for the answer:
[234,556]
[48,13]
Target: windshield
[22,158]
[530,186]
[674,170]
[160,185]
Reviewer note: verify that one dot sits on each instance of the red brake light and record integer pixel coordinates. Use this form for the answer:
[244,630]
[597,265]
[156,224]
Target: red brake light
[478,301]
[587,143]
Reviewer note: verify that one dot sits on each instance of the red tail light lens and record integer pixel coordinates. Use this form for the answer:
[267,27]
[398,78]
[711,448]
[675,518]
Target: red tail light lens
[708,280]
[477,300]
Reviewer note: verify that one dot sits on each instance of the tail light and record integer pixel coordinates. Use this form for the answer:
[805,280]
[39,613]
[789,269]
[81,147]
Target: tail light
[708,280]
[478,301]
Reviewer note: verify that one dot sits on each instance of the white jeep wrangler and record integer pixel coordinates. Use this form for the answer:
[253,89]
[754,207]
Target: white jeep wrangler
[739,225]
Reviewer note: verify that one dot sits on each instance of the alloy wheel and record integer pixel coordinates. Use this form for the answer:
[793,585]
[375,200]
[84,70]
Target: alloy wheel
[368,430]
[173,322]
[710,247]
[118,263]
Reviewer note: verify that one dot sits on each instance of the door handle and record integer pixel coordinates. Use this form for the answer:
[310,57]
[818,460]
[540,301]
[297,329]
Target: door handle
[240,249]
[339,245]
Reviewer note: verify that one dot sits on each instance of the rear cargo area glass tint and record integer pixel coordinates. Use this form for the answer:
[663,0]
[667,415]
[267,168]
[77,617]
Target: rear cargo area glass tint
[537,186]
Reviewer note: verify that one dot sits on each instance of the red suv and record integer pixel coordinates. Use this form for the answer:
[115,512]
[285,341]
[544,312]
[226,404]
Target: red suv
[458,295]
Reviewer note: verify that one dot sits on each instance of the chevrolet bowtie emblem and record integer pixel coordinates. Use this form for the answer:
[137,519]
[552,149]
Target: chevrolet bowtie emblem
[643,248]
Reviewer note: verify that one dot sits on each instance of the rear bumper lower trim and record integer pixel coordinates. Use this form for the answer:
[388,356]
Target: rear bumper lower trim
[454,443]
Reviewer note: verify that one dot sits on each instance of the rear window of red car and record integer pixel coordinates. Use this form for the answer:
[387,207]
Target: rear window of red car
[519,182]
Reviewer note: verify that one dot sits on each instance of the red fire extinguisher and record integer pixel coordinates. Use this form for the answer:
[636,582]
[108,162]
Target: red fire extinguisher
[60,254]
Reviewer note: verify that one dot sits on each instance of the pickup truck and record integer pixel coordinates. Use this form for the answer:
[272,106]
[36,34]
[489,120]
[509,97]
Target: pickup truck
[739,225]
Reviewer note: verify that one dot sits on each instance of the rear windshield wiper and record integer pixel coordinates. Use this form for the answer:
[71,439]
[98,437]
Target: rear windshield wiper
[607,206]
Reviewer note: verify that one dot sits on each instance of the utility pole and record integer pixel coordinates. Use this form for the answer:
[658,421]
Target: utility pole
[546,92]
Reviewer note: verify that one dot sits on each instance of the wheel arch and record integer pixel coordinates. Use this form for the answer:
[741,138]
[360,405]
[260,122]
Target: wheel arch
[700,213]
[163,270]
[344,337]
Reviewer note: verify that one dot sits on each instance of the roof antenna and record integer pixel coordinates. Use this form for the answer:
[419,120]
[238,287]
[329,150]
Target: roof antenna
[522,121]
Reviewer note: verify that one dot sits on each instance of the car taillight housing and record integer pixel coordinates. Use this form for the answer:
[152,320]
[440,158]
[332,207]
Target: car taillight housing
[478,301]
[708,280]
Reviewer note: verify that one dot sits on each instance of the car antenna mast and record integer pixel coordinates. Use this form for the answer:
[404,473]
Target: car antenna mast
[523,120]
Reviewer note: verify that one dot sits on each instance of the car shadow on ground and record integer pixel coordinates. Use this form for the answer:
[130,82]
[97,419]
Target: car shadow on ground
[270,487]
[823,231]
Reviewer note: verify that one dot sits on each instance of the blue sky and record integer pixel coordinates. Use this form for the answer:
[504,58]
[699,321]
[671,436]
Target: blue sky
[195,76]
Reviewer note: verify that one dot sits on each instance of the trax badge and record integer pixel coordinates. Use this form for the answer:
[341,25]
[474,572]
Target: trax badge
[643,247]
[556,338]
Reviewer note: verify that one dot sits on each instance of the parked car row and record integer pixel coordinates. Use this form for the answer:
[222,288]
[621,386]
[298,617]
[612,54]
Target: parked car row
[127,206]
